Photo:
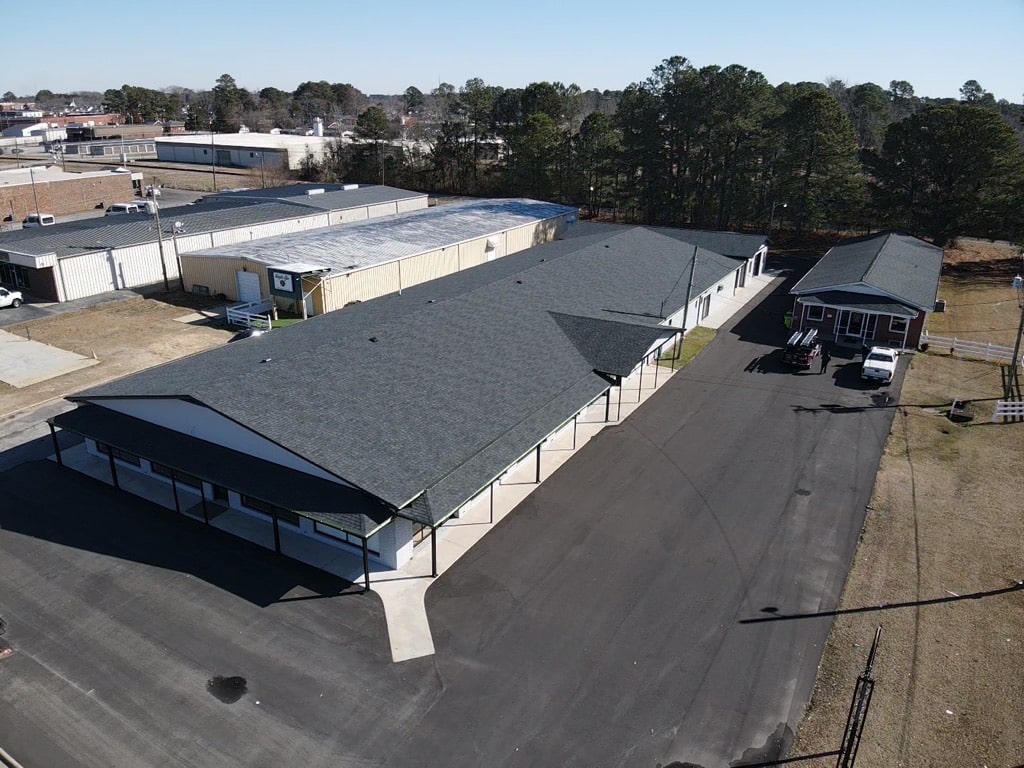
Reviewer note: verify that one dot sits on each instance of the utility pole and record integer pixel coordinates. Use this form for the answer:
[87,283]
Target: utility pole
[1012,379]
[160,242]
[35,197]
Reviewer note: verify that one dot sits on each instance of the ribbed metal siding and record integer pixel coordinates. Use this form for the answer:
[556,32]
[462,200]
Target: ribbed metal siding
[381,209]
[352,214]
[140,264]
[364,284]
[218,274]
[86,275]
[412,204]
[429,266]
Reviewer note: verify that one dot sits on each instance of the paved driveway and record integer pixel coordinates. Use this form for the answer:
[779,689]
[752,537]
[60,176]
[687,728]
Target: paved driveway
[612,619]
[606,622]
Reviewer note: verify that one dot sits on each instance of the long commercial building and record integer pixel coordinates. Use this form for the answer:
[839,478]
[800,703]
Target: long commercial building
[368,428]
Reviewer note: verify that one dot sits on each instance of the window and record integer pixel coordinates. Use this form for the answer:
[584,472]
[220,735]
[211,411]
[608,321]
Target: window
[346,538]
[898,324]
[179,477]
[271,510]
[128,458]
[815,313]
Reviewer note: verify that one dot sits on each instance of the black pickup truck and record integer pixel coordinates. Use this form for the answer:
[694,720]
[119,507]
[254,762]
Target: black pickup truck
[802,349]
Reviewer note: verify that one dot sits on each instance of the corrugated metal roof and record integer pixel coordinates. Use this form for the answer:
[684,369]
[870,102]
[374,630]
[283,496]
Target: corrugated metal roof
[76,237]
[367,243]
[333,198]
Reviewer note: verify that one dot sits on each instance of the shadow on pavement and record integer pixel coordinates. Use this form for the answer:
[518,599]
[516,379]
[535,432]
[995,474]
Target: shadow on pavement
[50,504]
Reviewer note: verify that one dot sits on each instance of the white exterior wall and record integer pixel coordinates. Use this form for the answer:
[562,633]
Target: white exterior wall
[86,275]
[205,424]
[394,542]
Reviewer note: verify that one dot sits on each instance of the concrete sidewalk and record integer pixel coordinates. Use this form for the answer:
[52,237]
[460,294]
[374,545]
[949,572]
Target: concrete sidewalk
[402,591]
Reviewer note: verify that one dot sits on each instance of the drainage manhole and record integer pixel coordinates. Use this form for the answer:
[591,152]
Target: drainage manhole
[227,689]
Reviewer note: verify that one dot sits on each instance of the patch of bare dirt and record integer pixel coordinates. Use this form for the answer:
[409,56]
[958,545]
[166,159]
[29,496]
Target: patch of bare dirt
[944,541]
[125,336]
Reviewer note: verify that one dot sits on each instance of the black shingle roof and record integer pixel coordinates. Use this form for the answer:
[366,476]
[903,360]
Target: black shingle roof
[322,500]
[430,394]
[894,264]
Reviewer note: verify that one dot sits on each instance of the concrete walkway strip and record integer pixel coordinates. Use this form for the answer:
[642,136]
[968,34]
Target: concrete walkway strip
[24,362]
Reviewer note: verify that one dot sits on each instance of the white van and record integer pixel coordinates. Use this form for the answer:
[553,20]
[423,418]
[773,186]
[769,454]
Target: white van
[120,208]
[38,220]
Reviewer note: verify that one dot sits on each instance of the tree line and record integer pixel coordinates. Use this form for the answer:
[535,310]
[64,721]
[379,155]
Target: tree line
[716,148]
[711,147]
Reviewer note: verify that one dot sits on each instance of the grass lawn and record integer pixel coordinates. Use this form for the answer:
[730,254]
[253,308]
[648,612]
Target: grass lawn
[695,341]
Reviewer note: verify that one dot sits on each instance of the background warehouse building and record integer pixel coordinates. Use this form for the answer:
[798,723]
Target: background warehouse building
[85,258]
[328,269]
[369,428]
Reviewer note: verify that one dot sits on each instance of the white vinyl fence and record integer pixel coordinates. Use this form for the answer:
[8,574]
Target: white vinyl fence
[982,350]
[250,315]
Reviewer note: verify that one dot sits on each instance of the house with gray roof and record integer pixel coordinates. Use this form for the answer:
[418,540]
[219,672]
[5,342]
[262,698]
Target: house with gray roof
[370,427]
[875,290]
[76,259]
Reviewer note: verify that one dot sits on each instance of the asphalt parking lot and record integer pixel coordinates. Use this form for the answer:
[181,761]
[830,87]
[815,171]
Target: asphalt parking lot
[633,611]
[121,614]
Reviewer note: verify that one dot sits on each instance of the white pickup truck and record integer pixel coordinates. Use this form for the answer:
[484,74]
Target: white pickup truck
[10,298]
[879,364]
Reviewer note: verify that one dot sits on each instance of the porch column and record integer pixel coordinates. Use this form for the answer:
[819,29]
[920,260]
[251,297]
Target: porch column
[538,463]
[206,514]
[491,519]
[433,552]
[640,386]
[113,468]
[174,489]
[906,330]
[574,420]
[366,566]
[657,365]
[607,403]
[56,446]
[618,403]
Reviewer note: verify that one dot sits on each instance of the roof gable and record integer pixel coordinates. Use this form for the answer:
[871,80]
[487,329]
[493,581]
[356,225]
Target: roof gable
[893,264]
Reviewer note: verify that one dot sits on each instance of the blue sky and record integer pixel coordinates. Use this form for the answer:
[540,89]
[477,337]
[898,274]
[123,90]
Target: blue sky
[935,45]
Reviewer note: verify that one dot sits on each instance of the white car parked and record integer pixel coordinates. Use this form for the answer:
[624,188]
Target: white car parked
[10,298]
[879,364]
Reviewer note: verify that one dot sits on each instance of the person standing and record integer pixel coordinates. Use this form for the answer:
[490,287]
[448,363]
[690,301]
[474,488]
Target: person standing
[825,358]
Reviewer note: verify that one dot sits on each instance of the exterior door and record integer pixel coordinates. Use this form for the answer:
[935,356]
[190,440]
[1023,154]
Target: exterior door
[248,284]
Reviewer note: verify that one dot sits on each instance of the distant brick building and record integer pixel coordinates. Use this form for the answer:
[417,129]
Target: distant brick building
[50,190]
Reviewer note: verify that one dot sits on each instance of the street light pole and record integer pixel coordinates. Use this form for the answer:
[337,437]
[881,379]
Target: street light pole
[771,218]
[213,154]
[177,229]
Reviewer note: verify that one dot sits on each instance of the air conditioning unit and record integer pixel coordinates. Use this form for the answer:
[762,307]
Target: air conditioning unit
[940,305]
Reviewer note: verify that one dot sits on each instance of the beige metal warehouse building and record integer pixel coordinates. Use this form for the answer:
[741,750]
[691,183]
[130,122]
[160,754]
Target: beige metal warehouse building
[331,268]
[83,258]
